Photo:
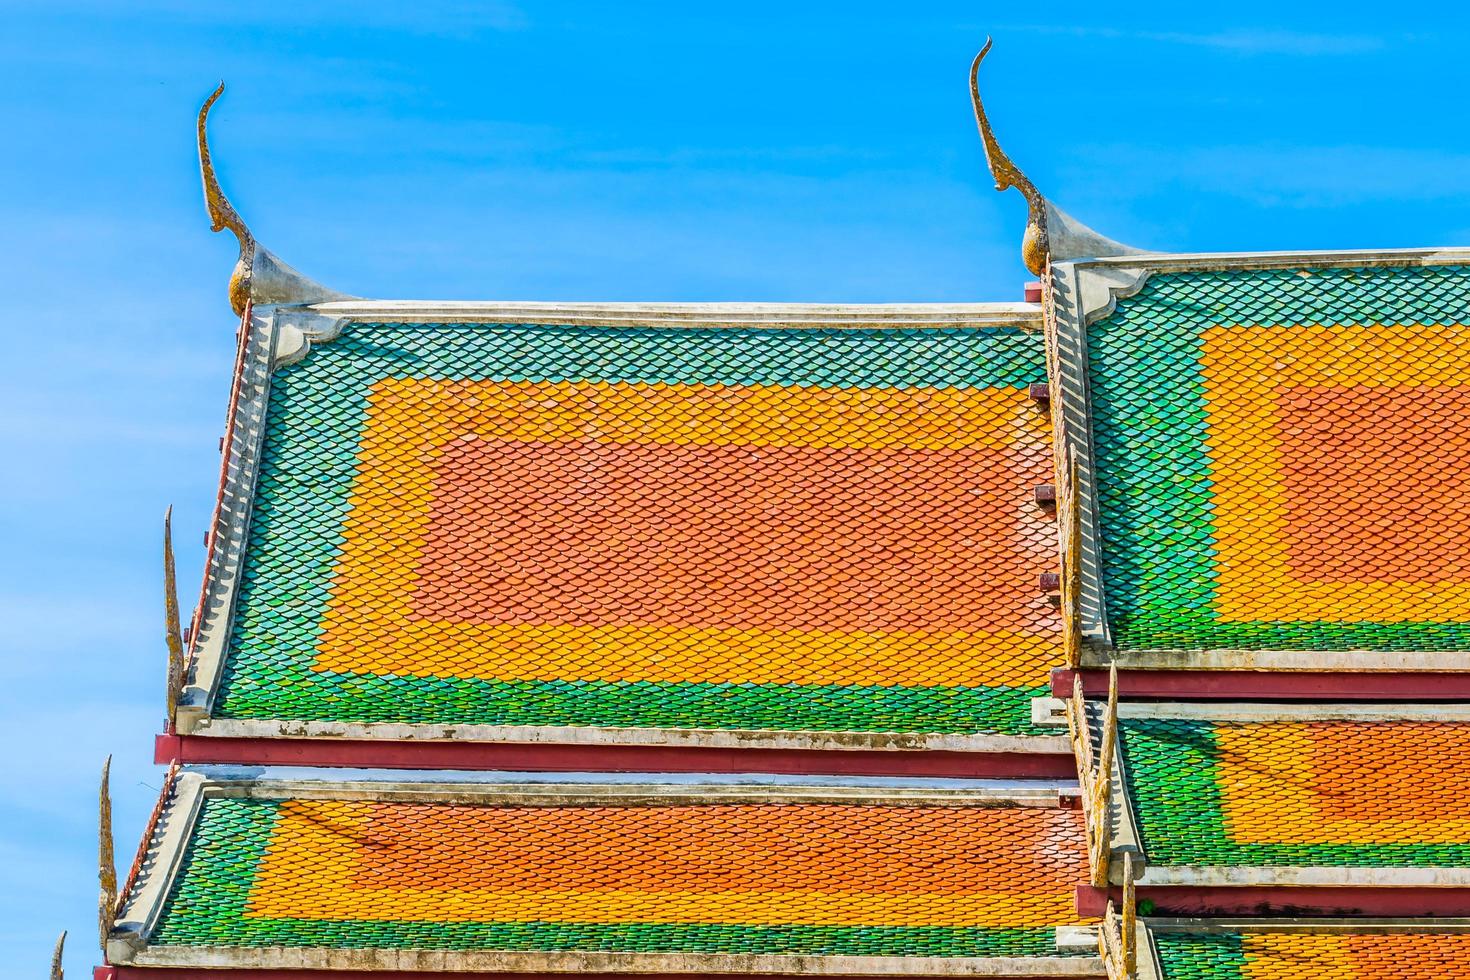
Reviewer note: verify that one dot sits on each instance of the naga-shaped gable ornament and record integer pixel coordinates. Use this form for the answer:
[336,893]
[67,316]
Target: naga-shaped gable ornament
[1051,233]
[1034,246]
[259,277]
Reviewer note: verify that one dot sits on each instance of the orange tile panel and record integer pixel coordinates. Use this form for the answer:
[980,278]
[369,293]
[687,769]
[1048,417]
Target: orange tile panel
[674,533]
[1339,783]
[1377,483]
[1328,464]
[760,864]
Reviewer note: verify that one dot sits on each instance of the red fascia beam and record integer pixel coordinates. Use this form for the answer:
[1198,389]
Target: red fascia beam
[546,757]
[1253,901]
[187,973]
[1255,685]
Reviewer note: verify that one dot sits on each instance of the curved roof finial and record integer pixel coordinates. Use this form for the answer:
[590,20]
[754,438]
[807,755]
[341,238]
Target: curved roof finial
[223,215]
[259,276]
[1034,247]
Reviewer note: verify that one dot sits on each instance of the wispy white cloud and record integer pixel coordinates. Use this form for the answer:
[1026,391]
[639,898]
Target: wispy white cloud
[1272,42]
[452,18]
[1238,41]
[1289,176]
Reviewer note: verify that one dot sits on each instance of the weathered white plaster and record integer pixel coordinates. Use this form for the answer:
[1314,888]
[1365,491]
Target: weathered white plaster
[566,735]
[437,961]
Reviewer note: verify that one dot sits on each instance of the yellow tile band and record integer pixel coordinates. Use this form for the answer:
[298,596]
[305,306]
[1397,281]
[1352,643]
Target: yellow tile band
[1285,789]
[663,654]
[431,412]
[1253,578]
[370,626]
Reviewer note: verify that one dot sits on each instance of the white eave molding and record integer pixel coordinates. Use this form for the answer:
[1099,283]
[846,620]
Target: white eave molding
[591,735]
[409,961]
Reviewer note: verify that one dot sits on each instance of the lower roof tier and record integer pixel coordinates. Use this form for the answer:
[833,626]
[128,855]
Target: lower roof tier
[696,523]
[1298,794]
[387,871]
[1349,952]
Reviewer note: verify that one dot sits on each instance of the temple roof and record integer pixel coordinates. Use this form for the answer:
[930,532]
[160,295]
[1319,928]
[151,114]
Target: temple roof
[514,871]
[1307,794]
[784,526]
[1272,457]
[546,522]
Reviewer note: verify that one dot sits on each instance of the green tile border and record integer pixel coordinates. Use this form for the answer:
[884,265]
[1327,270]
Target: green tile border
[1201,956]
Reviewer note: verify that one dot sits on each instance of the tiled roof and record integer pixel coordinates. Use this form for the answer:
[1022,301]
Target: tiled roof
[1285,955]
[589,867]
[747,527]
[1299,793]
[1285,460]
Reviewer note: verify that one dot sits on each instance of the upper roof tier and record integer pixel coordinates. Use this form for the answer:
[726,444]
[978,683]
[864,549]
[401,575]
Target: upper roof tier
[1272,457]
[641,873]
[612,522]
[1269,449]
[725,517]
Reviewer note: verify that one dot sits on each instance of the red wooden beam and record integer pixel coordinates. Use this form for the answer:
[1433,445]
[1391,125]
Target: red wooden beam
[1270,685]
[544,757]
[1253,901]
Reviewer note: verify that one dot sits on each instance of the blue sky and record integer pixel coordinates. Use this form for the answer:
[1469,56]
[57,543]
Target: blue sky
[577,151]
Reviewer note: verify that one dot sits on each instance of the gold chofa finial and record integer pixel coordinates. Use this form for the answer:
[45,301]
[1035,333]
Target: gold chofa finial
[1034,246]
[222,215]
[56,973]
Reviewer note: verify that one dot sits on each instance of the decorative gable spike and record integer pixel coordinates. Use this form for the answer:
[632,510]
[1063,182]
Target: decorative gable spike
[1077,730]
[106,865]
[223,215]
[1034,248]
[1107,943]
[171,629]
[56,971]
[1117,937]
[1109,729]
